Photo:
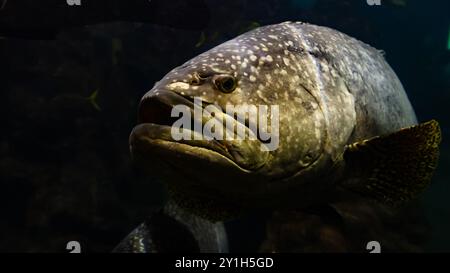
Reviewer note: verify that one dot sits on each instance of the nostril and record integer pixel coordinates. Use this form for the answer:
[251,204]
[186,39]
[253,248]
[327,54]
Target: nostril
[196,79]
[199,78]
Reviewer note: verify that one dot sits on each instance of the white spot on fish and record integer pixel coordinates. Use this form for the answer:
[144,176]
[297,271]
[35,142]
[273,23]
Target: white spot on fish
[178,85]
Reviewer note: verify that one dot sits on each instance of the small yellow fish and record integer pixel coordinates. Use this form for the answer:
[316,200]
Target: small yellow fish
[93,100]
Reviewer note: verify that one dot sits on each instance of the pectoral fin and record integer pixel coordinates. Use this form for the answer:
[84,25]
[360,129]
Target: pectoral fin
[394,168]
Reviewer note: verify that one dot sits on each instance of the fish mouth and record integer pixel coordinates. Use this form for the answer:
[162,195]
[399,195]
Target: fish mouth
[153,136]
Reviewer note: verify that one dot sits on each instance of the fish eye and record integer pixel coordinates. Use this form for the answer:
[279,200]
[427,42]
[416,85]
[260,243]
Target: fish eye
[225,83]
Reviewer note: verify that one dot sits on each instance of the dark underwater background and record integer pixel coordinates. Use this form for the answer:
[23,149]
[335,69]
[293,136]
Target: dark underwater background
[65,170]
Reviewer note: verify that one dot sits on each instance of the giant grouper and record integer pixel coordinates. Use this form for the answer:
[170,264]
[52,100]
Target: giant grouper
[346,128]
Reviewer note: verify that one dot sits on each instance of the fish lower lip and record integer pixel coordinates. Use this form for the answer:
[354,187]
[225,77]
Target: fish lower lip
[145,131]
[147,141]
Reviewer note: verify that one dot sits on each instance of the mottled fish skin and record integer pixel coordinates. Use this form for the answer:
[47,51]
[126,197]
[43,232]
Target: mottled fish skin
[174,230]
[332,90]
[381,105]
[356,89]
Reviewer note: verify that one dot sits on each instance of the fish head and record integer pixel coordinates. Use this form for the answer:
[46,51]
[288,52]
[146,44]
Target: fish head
[277,125]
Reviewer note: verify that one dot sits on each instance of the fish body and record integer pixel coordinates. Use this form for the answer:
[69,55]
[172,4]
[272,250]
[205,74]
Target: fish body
[334,94]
